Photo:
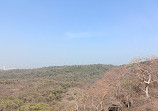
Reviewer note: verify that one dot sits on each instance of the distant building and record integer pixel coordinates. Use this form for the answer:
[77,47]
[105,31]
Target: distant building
[4,68]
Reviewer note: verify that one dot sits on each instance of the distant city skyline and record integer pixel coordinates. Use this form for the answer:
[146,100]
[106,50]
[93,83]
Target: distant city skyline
[68,32]
[6,68]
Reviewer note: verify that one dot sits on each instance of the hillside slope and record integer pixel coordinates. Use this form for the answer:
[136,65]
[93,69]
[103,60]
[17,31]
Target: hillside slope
[44,89]
[123,86]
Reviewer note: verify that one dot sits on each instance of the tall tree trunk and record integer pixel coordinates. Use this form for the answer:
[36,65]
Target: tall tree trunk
[147,91]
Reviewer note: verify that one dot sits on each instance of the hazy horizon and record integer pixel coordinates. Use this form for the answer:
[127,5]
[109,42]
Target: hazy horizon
[42,33]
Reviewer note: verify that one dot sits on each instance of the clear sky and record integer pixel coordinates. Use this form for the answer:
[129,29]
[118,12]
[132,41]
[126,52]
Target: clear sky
[37,33]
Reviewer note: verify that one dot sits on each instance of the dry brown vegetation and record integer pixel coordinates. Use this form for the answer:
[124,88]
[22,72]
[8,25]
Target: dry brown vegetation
[131,87]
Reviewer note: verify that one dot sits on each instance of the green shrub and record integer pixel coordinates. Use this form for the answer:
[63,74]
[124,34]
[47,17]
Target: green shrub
[129,83]
[12,104]
[55,94]
[35,107]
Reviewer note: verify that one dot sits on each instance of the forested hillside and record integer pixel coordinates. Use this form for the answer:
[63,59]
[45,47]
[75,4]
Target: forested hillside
[65,73]
[44,89]
[130,87]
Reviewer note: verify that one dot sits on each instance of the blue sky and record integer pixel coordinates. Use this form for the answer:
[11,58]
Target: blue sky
[37,33]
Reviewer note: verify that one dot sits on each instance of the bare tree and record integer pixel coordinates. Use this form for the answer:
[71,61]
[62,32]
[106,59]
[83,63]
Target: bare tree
[80,99]
[145,71]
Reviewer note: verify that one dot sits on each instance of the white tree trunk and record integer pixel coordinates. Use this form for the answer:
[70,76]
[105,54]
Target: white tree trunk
[147,91]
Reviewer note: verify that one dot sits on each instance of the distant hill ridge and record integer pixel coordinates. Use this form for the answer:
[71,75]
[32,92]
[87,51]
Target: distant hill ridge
[65,73]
